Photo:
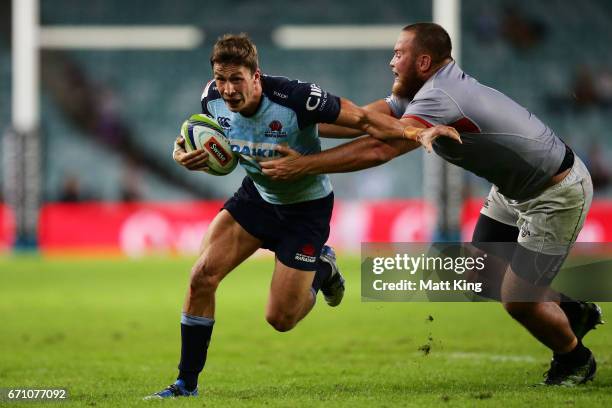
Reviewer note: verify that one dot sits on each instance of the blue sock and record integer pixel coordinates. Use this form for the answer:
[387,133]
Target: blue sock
[195,338]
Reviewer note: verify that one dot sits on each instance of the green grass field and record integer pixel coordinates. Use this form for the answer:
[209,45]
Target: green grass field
[108,331]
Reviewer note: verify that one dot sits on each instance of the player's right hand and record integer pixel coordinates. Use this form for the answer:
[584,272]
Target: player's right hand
[427,136]
[196,160]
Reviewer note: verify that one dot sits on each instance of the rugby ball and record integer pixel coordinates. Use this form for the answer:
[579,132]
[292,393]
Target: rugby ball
[203,132]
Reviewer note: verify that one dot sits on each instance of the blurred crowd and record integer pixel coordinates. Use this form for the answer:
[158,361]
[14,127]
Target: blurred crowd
[95,109]
[510,24]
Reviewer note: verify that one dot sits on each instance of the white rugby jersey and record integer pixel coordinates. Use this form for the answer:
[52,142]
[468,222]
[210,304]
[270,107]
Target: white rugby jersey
[502,141]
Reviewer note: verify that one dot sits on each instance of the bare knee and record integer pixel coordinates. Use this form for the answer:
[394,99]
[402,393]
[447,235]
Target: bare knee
[204,281]
[281,321]
[520,310]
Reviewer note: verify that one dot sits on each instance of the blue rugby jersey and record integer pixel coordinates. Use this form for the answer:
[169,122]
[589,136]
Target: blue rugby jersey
[288,114]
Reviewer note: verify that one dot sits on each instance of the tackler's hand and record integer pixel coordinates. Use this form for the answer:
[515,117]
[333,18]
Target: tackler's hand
[427,136]
[288,167]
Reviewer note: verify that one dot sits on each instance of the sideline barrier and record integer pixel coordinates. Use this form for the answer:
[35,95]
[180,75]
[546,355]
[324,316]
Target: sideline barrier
[138,229]
[7,228]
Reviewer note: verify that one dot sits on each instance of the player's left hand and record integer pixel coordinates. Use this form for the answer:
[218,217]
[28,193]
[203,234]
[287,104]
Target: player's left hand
[195,160]
[427,136]
[288,167]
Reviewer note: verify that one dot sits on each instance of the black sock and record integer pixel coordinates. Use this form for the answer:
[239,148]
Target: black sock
[578,356]
[322,274]
[194,347]
[572,308]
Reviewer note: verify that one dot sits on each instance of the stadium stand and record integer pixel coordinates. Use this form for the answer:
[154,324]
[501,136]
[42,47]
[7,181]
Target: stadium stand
[153,91]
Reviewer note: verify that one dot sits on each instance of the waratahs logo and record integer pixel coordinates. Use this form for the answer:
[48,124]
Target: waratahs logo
[276,130]
[306,254]
[308,249]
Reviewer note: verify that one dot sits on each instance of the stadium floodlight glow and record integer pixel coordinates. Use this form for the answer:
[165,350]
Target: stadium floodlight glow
[159,37]
[336,36]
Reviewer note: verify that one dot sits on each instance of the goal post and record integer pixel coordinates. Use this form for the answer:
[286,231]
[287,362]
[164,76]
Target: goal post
[442,181]
[21,144]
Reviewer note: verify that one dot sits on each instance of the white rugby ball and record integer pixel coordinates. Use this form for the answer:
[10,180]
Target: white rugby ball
[203,132]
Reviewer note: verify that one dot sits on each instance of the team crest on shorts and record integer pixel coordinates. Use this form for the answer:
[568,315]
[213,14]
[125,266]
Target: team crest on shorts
[525,230]
[306,254]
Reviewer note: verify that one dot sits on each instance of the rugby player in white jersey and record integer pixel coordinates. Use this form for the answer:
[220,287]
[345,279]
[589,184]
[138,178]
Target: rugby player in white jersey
[540,196]
[258,113]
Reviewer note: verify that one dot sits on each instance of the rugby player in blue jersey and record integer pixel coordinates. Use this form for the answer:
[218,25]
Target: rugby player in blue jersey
[259,113]
[539,200]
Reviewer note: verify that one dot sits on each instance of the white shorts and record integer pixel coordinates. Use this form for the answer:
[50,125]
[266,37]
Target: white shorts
[550,222]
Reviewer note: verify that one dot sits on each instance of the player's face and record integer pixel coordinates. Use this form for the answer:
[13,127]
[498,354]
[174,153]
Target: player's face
[404,66]
[237,86]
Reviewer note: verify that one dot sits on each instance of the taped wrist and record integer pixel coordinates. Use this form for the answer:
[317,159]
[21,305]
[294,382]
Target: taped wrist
[413,133]
[176,149]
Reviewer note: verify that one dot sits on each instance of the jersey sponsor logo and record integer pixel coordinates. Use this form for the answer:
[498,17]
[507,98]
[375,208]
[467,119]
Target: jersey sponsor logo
[224,122]
[276,129]
[280,95]
[213,146]
[314,99]
[261,150]
[322,107]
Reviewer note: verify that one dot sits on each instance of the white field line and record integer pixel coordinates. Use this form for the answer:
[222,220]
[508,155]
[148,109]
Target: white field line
[501,358]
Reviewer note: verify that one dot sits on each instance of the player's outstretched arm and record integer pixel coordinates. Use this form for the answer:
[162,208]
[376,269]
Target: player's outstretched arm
[340,132]
[330,131]
[385,127]
[196,160]
[359,154]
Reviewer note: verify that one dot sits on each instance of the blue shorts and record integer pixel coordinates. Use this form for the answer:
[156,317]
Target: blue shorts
[294,232]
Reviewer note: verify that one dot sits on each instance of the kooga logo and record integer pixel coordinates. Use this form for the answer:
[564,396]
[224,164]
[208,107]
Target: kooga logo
[214,148]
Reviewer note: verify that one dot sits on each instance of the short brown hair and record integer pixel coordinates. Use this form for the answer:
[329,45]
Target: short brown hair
[432,39]
[235,49]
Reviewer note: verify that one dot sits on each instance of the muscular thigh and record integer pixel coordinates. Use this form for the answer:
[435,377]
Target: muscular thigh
[519,288]
[550,223]
[225,245]
[289,287]
[495,238]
